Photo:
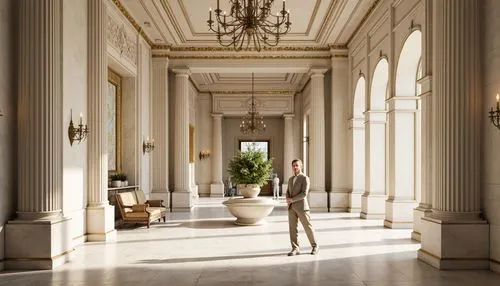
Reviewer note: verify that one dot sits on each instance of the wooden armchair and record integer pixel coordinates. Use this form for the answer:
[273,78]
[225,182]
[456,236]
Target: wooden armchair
[134,211]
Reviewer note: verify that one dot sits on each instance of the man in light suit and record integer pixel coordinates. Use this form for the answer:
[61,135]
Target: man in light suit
[298,208]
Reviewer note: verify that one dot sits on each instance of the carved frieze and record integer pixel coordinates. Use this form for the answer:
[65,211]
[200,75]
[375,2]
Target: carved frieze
[239,104]
[123,42]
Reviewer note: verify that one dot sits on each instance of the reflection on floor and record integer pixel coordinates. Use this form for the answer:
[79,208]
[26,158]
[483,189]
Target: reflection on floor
[205,248]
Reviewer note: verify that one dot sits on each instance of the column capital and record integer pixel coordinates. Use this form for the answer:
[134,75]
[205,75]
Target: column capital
[317,72]
[288,115]
[182,72]
[217,115]
[159,62]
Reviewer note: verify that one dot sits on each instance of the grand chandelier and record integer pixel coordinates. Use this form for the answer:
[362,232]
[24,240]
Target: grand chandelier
[249,21]
[253,122]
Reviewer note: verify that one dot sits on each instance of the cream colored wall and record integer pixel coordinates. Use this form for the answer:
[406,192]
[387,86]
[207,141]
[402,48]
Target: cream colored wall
[491,136]
[204,137]
[74,87]
[8,134]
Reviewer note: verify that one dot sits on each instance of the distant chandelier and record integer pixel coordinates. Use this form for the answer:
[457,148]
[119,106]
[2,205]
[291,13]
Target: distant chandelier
[251,20]
[253,122]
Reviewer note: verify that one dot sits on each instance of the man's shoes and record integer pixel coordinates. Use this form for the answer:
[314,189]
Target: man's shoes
[294,252]
[315,250]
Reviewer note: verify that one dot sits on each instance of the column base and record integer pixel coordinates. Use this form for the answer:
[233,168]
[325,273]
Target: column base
[162,195]
[355,202]
[455,245]
[194,192]
[318,201]
[495,266]
[373,206]
[101,223]
[182,201]
[339,200]
[399,213]
[37,245]
[418,214]
[217,190]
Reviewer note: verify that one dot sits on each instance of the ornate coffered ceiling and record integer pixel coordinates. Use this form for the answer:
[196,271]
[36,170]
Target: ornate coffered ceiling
[178,29]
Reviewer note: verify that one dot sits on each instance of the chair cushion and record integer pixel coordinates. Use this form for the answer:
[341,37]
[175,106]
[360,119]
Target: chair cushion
[141,198]
[127,199]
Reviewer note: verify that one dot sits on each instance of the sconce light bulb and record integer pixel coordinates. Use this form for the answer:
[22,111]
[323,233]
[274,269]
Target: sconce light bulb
[498,97]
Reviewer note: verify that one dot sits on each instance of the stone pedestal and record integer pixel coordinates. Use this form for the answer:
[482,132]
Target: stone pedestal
[373,206]
[455,245]
[419,213]
[101,223]
[42,244]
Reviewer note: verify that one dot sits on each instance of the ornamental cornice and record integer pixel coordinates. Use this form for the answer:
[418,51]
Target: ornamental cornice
[132,21]
[118,38]
[243,57]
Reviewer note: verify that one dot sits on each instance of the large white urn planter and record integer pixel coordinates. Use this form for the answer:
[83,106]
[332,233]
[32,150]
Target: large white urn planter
[249,210]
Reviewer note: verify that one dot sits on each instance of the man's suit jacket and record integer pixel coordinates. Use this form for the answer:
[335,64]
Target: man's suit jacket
[298,192]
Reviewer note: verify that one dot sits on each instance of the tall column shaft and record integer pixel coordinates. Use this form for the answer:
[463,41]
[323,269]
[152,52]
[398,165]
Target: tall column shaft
[457,122]
[340,173]
[373,200]
[217,186]
[287,150]
[97,170]
[40,110]
[454,236]
[402,151]
[160,128]
[181,198]
[358,164]
[40,237]
[100,215]
[318,196]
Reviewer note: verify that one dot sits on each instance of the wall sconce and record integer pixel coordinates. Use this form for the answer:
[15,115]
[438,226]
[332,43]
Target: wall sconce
[78,134]
[495,114]
[148,146]
[1,114]
[204,154]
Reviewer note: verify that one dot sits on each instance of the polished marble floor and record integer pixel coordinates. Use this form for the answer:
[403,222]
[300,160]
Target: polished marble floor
[204,247]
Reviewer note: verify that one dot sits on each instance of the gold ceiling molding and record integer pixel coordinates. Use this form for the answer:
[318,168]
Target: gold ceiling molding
[270,49]
[132,21]
[290,57]
[365,18]
[257,93]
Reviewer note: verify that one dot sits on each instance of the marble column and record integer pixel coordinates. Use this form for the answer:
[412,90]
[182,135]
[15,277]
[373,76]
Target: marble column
[160,123]
[357,127]
[425,204]
[373,200]
[100,215]
[402,149]
[317,195]
[39,237]
[287,151]
[454,236]
[181,197]
[217,186]
[340,174]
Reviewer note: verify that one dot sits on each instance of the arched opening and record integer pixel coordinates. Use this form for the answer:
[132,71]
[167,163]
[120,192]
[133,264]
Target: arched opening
[358,146]
[373,200]
[403,137]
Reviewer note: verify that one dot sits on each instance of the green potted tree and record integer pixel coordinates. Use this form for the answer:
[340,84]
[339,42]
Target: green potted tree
[250,170]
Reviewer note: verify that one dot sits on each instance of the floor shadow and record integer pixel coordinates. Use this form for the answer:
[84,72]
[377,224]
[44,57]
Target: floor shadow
[206,259]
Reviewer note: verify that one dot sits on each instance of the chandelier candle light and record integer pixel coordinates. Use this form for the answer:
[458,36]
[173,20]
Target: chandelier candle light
[253,122]
[249,20]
